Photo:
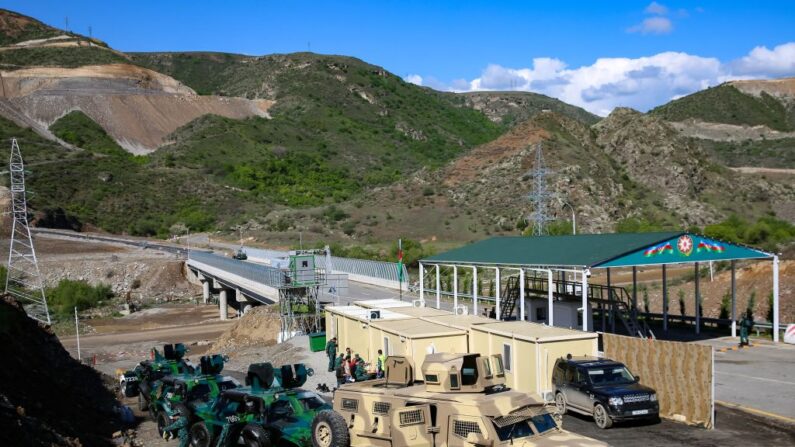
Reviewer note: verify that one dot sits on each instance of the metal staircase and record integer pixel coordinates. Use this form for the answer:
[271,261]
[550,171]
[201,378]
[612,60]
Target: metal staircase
[616,300]
[510,296]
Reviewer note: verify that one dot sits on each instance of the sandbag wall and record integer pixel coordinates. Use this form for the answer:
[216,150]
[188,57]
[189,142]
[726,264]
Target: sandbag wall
[682,374]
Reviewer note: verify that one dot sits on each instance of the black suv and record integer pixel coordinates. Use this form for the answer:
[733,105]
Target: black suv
[604,389]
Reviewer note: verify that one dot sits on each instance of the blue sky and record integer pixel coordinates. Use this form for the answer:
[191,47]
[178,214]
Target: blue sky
[465,45]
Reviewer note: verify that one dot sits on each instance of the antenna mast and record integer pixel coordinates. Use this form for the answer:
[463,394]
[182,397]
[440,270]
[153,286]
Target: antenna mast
[539,196]
[23,279]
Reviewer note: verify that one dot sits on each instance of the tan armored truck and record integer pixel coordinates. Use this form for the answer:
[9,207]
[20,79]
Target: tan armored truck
[462,402]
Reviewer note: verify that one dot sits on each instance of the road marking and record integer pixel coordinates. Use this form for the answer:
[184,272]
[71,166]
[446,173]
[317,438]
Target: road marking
[756,411]
[755,378]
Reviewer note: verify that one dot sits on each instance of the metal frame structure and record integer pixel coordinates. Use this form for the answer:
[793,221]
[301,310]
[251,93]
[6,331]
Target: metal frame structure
[540,195]
[23,278]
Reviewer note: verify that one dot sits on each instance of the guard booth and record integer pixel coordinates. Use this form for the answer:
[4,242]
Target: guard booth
[529,350]
[302,269]
[415,339]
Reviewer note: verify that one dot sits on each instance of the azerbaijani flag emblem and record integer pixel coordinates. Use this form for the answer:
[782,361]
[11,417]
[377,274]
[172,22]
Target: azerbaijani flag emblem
[658,250]
[704,245]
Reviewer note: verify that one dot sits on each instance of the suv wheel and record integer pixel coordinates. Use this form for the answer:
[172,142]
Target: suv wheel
[601,417]
[330,430]
[560,403]
[256,436]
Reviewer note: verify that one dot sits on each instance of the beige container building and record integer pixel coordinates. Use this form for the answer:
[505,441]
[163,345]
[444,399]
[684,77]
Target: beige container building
[350,324]
[383,304]
[463,322]
[419,312]
[529,350]
[415,339]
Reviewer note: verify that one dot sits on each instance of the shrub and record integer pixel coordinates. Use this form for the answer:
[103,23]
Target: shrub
[682,307]
[68,294]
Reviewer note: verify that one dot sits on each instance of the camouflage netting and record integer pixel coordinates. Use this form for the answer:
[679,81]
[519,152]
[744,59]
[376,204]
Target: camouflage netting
[47,398]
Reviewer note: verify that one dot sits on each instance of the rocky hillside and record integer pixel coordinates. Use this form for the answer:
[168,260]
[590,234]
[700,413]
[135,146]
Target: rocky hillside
[511,108]
[742,123]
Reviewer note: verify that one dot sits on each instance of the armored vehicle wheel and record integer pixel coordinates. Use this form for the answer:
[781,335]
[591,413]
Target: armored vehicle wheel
[560,403]
[142,403]
[256,436]
[163,421]
[330,430]
[601,417]
[200,435]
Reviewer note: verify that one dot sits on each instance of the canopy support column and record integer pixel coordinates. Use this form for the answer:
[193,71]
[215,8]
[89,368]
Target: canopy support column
[455,287]
[734,300]
[612,305]
[585,274]
[438,288]
[698,301]
[521,294]
[422,283]
[775,299]
[497,293]
[550,300]
[474,290]
[634,291]
[665,297]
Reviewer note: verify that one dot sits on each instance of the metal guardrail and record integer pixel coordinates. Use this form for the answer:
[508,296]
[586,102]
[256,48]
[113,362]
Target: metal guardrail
[263,274]
[364,267]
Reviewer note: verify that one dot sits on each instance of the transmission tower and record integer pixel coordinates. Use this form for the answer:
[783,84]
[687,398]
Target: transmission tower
[23,279]
[539,196]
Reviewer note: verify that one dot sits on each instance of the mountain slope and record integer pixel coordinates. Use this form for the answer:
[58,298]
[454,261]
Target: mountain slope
[515,107]
[732,103]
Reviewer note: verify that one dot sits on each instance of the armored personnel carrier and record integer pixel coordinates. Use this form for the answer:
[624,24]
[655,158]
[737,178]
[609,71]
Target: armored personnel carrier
[462,402]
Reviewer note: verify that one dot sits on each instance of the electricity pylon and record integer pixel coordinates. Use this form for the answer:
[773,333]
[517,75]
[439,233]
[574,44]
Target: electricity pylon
[539,196]
[23,278]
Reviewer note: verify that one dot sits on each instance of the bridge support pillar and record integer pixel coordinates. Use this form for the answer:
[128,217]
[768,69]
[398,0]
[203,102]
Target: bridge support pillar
[206,290]
[222,303]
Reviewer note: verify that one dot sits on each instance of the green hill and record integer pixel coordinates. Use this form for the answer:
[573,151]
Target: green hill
[510,108]
[726,104]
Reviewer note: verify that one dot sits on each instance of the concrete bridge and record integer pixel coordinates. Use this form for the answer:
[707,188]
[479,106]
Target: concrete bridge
[240,284]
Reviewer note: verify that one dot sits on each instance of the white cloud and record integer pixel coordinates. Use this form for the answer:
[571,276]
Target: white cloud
[641,83]
[656,8]
[780,61]
[653,25]
[414,79]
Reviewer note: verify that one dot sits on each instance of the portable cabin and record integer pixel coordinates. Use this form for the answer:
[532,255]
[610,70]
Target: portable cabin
[350,325]
[529,350]
[414,339]
[463,322]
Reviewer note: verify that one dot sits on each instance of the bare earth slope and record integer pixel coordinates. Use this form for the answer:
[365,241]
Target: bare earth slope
[138,107]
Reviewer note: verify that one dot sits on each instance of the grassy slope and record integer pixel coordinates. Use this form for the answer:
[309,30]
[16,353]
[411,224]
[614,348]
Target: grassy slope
[764,153]
[726,104]
[68,57]
[80,130]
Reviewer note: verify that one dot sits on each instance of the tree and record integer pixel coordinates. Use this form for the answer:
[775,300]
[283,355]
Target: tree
[749,310]
[725,303]
[681,302]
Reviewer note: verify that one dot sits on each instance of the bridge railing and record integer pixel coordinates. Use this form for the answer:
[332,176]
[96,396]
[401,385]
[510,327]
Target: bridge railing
[255,272]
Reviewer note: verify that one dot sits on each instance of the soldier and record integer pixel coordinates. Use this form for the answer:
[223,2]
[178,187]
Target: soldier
[360,372]
[181,427]
[380,363]
[331,353]
[339,370]
[346,368]
[746,324]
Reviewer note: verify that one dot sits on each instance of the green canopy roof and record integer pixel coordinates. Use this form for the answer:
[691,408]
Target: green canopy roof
[597,250]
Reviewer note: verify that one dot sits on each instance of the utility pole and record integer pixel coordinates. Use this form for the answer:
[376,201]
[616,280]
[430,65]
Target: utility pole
[539,196]
[77,332]
[66,23]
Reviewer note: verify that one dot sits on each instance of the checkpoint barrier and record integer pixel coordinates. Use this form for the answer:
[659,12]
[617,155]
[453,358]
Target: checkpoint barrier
[681,373]
[789,335]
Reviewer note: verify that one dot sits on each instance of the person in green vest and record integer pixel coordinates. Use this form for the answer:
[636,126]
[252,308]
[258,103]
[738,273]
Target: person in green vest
[380,364]
[746,324]
[331,353]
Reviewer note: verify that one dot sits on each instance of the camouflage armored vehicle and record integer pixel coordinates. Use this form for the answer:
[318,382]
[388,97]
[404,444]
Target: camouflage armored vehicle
[270,410]
[139,381]
[184,394]
[463,402]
